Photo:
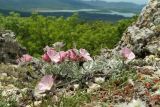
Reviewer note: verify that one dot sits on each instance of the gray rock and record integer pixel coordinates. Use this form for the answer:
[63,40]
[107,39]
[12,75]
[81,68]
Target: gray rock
[9,47]
[144,36]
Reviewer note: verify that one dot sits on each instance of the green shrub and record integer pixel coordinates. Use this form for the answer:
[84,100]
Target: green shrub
[37,31]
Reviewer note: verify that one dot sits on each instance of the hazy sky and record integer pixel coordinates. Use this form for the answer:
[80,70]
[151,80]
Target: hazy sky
[134,1]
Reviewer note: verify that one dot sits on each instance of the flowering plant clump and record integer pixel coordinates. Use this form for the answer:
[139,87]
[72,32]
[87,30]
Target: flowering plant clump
[70,68]
[60,62]
[51,55]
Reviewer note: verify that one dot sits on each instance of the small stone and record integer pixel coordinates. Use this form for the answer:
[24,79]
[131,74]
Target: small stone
[24,90]
[28,106]
[76,86]
[93,87]
[14,66]
[153,27]
[130,81]
[14,79]
[55,98]
[151,57]
[157,92]
[38,95]
[4,74]
[9,78]
[99,80]
[157,73]
[157,59]
[87,83]
[37,103]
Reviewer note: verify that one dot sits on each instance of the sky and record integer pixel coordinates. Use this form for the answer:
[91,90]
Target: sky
[134,1]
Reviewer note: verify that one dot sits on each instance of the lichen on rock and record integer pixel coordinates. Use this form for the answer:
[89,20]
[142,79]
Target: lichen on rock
[144,36]
[10,49]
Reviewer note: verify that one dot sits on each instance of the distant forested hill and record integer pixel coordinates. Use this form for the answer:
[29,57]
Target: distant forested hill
[116,6]
[82,15]
[30,5]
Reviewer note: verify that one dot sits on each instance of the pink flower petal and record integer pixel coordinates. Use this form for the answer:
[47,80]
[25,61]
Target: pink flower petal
[51,53]
[131,56]
[26,58]
[45,84]
[73,55]
[59,57]
[127,53]
[56,58]
[85,55]
[63,55]
[46,58]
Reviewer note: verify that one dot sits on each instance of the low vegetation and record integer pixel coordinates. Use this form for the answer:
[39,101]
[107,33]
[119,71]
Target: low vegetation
[37,31]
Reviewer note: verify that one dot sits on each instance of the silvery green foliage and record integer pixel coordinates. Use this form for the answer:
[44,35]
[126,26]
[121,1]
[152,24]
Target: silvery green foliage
[66,69]
[105,65]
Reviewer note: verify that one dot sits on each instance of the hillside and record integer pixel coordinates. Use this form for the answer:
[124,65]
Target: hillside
[30,5]
[116,6]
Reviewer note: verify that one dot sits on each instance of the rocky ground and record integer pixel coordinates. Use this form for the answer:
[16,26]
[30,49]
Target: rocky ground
[95,89]
[108,81]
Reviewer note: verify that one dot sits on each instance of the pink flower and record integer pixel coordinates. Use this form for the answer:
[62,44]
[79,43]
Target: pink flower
[45,84]
[49,53]
[52,55]
[78,55]
[46,58]
[63,55]
[85,55]
[127,53]
[59,57]
[25,58]
[73,55]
